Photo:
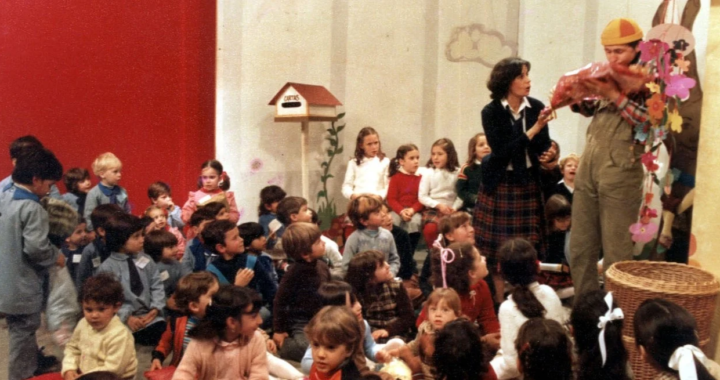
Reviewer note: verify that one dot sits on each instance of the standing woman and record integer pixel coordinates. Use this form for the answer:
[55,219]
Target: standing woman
[510,203]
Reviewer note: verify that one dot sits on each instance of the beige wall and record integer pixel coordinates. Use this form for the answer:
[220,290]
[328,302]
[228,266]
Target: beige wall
[386,62]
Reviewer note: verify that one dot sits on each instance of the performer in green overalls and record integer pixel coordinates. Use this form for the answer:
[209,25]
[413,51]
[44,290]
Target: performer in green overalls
[608,184]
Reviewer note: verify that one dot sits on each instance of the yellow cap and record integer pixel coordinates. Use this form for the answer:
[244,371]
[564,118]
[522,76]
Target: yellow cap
[621,31]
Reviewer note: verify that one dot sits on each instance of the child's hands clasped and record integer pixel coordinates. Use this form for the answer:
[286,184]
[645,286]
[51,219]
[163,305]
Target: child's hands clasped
[135,323]
[407,214]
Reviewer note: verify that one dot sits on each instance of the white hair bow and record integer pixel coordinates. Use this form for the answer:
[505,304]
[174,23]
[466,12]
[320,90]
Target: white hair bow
[611,315]
[446,256]
[682,361]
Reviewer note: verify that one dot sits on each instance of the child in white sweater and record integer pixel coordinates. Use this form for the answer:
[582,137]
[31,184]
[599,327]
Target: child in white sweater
[519,265]
[367,172]
[437,188]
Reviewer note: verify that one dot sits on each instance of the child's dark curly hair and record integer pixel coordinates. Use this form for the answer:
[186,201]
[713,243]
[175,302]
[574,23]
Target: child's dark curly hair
[102,288]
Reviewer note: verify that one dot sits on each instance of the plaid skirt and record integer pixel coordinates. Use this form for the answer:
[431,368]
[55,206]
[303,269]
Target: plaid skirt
[514,210]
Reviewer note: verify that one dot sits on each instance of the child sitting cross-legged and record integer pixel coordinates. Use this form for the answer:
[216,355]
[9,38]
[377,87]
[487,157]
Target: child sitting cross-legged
[226,343]
[192,296]
[100,341]
[255,243]
[386,305]
[138,274]
[162,246]
[233,266]
[297,299]
[366,213]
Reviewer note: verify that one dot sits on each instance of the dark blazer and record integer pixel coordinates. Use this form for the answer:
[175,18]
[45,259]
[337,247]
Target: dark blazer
[508,143]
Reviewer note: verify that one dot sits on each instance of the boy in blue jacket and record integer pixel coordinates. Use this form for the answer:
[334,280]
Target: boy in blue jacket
[26,254]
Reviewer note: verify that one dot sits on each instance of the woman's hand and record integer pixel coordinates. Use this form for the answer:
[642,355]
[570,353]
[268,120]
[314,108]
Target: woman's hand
[541,122]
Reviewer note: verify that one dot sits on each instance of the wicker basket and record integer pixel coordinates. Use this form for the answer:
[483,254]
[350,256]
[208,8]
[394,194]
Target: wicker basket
[632,282]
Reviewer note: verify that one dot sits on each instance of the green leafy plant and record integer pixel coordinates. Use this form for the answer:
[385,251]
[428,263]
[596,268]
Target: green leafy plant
[326,206]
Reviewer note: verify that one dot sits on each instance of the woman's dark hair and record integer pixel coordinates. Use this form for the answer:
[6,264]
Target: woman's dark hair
[36,163]
[224,184]
[503,74]
[74,176]
[661,327]
[452,157]
[456,271]
[359,153]
[584,320]
[459,353]
[361,270]
[229,302]
[118,230]
[269,195]
[544,350]
[334,293]
[401,152]
[519,266]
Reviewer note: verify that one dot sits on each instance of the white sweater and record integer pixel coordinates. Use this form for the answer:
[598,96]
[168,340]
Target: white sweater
[511,319]
[371,176]
[437,186]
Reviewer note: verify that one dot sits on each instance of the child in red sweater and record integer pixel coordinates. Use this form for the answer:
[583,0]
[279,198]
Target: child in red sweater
[402,196]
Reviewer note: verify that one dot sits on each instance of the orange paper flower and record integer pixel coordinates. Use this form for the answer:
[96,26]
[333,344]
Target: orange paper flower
[656,106]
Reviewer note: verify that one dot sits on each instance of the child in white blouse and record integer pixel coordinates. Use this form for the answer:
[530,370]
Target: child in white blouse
[367,172]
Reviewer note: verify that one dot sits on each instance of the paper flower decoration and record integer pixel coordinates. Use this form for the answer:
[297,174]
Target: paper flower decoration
[278,180]
[679,85]
[643,232]
[641,133]
[675,121]
[653,87]
[664,67]
[660,133]
[682,64]
[652,49]
[648,159]
[646,214]
[656,106]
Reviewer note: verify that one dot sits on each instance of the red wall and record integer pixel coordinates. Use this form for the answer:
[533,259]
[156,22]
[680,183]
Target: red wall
[136,78]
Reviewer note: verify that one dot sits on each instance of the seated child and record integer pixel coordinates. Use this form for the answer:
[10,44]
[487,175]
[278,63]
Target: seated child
[219,209]
[108,168]
[365,212]
[386,305]
[255,243]
[667,338]
[543,348]
[408,267]
[232,266]
[297,299]
[73,246]
[270,197]
[159,194]
[334,334]
[77,182]
[470,175]
[339,293]
[519,266]
[192,296]
[459,353]
[443,307]
[143,289]
[162,247]
[226,344]
[568,167]
[557,214]
[160,218]
[197,256]
[95,253]
[293,210]
[100,341]
[596,308]
[465,275]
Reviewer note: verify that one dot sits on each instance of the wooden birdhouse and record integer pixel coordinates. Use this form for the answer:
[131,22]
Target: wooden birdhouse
[304,102]
[297,102]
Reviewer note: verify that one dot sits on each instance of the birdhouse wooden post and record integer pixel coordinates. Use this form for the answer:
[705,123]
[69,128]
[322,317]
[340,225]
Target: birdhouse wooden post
[297,102]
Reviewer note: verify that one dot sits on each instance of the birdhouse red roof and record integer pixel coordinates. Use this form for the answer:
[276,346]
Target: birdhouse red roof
[315,95]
